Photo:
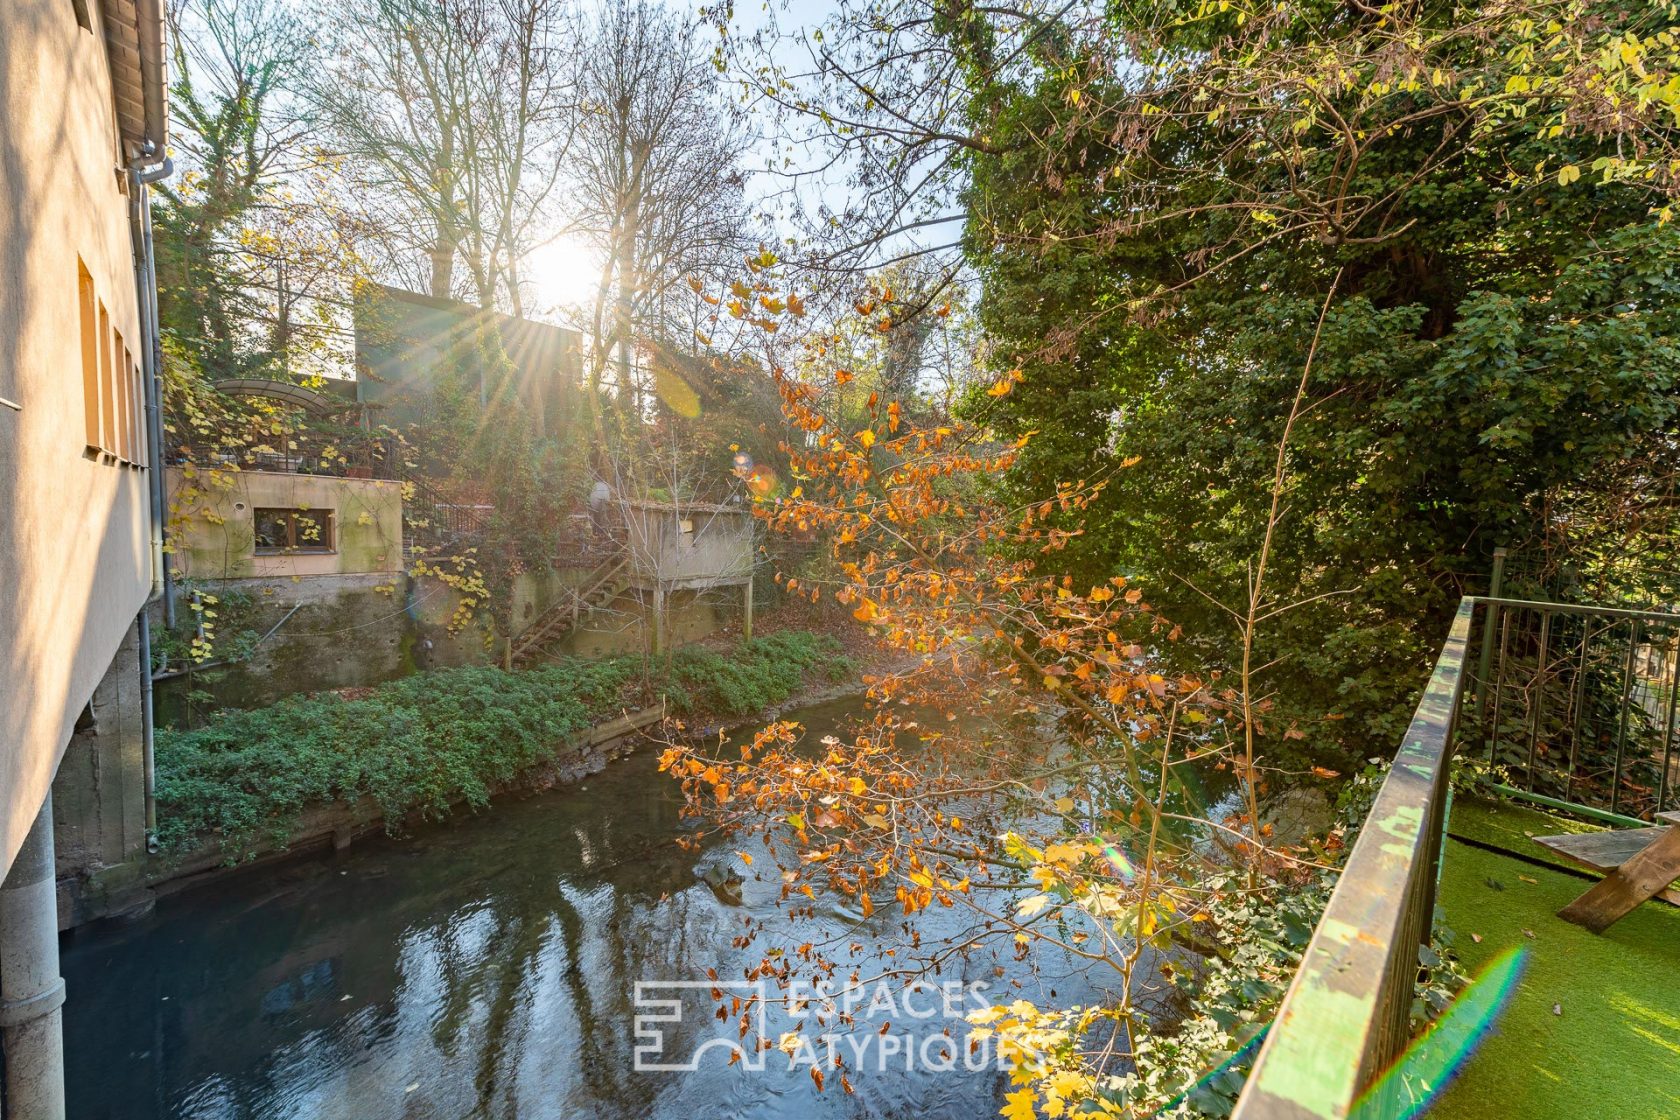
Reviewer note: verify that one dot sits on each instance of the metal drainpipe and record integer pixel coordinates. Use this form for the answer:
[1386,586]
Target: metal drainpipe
[148,760]
[163,579]
[145,268]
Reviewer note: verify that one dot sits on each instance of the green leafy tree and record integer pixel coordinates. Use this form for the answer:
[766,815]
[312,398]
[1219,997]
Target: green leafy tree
[1475,200]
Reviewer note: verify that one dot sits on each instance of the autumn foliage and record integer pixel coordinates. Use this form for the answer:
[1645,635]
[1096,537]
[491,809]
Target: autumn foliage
[1025,760]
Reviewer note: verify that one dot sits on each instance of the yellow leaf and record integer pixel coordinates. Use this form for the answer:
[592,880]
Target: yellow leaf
[1032,905]
[1002,387]
[867,438]
[1019,1106]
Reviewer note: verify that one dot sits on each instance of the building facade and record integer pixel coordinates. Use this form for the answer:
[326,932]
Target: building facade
[409,344]
[82,96]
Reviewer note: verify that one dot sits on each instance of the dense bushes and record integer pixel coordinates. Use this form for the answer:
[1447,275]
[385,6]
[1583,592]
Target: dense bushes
[757,674]
[423,743]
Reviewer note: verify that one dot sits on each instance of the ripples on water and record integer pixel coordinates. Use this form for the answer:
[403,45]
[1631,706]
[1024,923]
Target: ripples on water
[479,970]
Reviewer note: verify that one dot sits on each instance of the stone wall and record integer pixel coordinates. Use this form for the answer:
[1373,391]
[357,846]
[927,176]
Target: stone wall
[324,632]
[99,794]
[354,631]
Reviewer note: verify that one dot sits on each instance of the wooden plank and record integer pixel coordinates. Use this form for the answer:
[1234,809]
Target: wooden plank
[1639,879]
[1601,851]
[1606,851]
[1671,818]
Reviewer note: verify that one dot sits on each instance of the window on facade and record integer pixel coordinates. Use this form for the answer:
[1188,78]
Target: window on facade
[121,359]
[90,356]
[135,392]
[107,385]
[113,396]
[294,530]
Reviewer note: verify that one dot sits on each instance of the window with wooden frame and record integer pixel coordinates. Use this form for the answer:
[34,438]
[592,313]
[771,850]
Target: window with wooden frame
[121,363]
[90,357]
[112,394]
[134,390]
[293,530]
[107,385]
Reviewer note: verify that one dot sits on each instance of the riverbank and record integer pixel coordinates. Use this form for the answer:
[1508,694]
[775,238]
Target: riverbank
[313,774]
[496,966]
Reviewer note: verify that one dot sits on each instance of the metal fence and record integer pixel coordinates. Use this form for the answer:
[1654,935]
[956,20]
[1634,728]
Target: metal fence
[1575,705]
[320,449]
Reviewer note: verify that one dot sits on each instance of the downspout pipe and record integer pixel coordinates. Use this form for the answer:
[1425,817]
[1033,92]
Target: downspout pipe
[150,165]
[144,171]
[145,267]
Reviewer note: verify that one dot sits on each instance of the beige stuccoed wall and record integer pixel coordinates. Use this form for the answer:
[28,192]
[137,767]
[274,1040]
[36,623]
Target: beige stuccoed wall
[74,554]
[213,527]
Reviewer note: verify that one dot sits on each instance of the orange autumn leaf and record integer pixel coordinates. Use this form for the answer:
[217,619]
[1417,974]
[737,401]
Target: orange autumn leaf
[1008,381]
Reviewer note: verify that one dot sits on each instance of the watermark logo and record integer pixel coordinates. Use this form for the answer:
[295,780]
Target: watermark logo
[678,1023]
[681,1025]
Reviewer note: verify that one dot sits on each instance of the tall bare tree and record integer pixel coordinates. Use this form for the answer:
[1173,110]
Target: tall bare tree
[657,183]
[253,247]
[455,116]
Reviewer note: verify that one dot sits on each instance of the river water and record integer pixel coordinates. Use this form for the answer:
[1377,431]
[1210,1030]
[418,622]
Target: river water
[489,968]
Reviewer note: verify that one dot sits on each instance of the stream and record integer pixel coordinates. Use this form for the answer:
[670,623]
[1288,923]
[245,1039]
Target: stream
[488,968]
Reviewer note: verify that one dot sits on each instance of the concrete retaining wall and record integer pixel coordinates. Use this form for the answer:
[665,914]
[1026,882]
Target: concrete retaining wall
[356,631]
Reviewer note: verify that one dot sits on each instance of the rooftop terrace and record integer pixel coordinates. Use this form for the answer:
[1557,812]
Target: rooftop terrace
[1593,1027]
[1572,707]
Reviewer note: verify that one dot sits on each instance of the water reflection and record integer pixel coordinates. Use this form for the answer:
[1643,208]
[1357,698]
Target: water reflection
[484,970]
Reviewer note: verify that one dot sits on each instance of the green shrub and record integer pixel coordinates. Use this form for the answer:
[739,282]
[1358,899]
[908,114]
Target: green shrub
[755,675]
[426,742]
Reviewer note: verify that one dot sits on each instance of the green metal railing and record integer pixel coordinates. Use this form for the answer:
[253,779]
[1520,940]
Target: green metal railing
[1346,1015]
[1575,707]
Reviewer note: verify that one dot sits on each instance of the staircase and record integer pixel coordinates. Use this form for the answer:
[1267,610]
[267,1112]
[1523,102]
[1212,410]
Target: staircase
[436,524]
[599,588]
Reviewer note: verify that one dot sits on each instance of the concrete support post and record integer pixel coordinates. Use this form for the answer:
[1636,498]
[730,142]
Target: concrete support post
[31,990]
[746,624]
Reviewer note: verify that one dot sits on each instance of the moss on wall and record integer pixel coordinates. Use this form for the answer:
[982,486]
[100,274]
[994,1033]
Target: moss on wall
[213,529]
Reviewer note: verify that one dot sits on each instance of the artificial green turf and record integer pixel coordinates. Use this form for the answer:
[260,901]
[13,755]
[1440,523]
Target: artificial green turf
[1512,827]
[1611,1051]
